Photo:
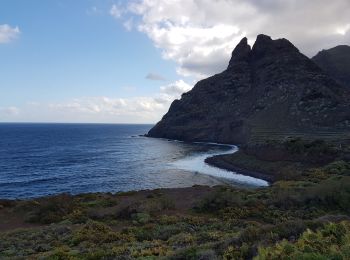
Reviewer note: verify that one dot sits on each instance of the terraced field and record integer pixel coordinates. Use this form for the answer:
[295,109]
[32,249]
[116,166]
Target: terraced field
[260,135]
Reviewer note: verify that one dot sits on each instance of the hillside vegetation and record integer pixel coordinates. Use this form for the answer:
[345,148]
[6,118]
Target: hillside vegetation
[302,218]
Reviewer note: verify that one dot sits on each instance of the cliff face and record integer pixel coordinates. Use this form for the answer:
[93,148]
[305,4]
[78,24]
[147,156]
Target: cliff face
[269,89]
[336,62]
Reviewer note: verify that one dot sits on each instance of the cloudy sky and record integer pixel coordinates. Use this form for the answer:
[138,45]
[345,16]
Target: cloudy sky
[116,61]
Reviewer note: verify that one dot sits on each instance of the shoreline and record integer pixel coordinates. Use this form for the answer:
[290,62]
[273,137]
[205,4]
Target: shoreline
[181,223]
[213,160]
[217,161]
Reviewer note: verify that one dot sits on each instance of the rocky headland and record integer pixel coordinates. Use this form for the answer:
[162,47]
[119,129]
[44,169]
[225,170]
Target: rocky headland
[269,91]
[269,95]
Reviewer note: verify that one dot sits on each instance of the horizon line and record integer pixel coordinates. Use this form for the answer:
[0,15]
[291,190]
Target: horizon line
[76,123]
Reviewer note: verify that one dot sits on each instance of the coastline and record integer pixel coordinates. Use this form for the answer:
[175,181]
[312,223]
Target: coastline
[198,222]
[219,162]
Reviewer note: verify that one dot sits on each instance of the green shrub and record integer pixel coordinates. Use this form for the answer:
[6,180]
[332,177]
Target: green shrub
[316,151]
[150,206]
[238,252]
[219,200]
[181,240]
[333,193]
[149,250]
[141,218]
[51,209]
[194,253]
[330,242]
[98,233]
[338,167]
[62,253]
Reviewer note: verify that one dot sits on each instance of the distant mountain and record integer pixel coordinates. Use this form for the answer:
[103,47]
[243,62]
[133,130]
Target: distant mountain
[336,62]
[268,91]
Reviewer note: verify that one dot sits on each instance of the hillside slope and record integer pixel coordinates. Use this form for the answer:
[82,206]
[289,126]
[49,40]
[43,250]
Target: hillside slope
[269,90]
[336,62]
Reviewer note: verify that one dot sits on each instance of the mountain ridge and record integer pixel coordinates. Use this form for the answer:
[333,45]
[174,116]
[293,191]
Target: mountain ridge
[336,63]
[269,87]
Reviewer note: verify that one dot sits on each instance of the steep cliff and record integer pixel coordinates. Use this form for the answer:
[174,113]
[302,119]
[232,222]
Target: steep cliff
[269,90]
[336,62]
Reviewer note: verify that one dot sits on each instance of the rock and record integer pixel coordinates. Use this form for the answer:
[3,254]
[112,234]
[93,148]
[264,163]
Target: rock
[268,91]
[240,54]
[335,62]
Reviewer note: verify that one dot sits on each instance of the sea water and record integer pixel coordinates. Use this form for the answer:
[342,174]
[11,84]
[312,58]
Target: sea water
[45,159]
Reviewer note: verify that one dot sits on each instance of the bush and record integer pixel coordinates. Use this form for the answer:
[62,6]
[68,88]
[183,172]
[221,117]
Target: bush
[51,209]
[149,250]
[238,252]
[288,230]
[330,242]
[98,233]
[338,167]
[181,240]
[317,151]
[150,206]
[333,193]
[194,253]
[141,218]
[220,200]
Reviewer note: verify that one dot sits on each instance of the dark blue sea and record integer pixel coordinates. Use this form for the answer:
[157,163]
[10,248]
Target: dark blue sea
[45,159]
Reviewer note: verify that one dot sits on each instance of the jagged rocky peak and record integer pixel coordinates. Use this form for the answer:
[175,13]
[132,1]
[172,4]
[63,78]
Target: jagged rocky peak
[265,45]
[268,90]
[240,53]
[262,42]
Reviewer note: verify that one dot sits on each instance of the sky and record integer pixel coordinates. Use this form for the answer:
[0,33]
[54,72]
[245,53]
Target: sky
[110,61]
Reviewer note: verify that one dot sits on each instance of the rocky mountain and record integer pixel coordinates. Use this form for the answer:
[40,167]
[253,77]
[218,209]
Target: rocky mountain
[268,91]
[336,62]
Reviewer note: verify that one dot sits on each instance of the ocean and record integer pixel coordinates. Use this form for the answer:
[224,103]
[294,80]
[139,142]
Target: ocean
[45,159]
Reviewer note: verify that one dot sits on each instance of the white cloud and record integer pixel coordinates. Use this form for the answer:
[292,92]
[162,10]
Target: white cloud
[136,109]
[8,33]
[343,30]
[9,111]
[195,49]
[199,35]
[96,110]
[176,89]
[116,11]
[128,24]
[141,109]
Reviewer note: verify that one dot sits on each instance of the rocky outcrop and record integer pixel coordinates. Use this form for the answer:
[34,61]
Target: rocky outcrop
[269,90]
[336,62]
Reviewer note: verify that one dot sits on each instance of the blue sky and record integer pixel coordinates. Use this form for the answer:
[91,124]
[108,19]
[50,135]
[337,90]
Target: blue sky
[125,61]
[65,50]
[71,49]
